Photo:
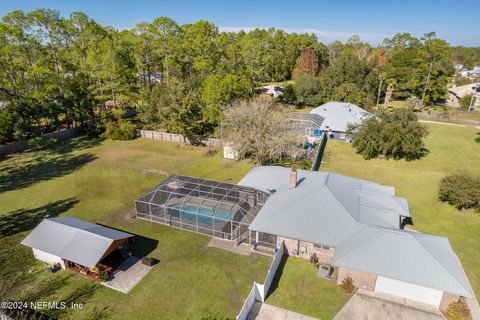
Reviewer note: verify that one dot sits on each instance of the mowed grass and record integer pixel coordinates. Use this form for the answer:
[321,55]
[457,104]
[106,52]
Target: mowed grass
[296,287]
[451,149]
[98,181]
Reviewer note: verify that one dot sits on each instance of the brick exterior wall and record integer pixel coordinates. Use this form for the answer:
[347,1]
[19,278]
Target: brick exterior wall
[447,299]
[306,249]
[361,280]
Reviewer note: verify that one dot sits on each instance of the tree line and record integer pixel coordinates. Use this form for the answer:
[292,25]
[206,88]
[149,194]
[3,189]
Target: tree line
[58,71]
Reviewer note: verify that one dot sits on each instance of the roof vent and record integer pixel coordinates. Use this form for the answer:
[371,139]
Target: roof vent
[271,190]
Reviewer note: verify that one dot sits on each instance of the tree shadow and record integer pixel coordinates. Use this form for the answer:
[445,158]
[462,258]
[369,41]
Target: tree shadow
[25,219]
[278,276]
[17,177]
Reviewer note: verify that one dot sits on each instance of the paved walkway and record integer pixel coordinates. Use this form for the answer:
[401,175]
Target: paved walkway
[128,275]
[228,245]
[263,311]
[368,305]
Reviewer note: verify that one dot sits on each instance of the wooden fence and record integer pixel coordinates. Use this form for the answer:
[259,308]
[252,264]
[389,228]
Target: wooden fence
[22,145]
[179,138]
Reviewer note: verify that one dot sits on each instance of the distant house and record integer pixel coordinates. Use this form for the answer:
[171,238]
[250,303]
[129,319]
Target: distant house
[456,93]
[155,76]
[271,91]
[77,245]
[337,116]
[473,73]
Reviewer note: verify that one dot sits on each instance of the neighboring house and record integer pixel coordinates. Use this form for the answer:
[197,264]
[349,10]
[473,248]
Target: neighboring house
[77,245]
[154,77]
[357,226]
[337,116]
[306,124]
[473,73]
[456,93]
[271,91]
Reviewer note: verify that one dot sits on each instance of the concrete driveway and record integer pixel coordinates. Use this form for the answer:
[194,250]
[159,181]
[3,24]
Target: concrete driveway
[366,305]
[263,311]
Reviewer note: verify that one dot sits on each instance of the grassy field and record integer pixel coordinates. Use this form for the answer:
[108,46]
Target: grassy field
[451,149]
[98,181]
[297,288]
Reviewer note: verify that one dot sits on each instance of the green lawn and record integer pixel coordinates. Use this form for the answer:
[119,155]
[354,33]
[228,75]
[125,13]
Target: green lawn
[98,181]
[451,149]
[297,288]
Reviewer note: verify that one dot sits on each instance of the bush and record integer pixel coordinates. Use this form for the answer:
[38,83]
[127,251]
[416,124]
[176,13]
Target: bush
[465,102]
[347,285]
[458,311]
[121,130]
[461,190]
[288,96]
[42,142]
[461,81]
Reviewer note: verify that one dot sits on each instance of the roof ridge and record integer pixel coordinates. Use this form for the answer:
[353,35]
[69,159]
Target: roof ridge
[79,229]
[437,262]
[282,210]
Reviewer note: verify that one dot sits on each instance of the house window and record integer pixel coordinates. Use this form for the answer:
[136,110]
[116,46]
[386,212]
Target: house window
[321,247]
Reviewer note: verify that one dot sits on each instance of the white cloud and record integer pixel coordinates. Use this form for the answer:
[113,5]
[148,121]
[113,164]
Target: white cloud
[322,35]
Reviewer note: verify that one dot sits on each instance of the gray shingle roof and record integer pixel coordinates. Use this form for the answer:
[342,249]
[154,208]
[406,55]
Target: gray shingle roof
[406,256]
[338,115]
[325,208]
[73,239]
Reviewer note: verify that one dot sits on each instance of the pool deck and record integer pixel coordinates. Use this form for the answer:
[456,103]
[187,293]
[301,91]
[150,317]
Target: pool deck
[228,245]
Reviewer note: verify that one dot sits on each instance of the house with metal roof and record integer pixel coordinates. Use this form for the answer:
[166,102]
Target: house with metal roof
[76,245]
[356,226]
[337,116]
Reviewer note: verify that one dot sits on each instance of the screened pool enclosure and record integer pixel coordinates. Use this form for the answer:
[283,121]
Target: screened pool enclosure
[214,208]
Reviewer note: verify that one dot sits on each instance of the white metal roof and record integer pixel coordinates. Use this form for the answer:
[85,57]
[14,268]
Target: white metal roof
[338,115]
[75,240]
[324,208]
[417,258]
[361,220]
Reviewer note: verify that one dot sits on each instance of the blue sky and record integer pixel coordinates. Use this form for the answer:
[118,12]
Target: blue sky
[455,21]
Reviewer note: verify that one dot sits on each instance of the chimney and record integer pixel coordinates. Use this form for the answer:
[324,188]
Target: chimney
[293,179]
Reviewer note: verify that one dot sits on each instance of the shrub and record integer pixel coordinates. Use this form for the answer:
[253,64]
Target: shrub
[121,130]
[458,311]
[461,190]
[465,102]
[42,142]
[347,285]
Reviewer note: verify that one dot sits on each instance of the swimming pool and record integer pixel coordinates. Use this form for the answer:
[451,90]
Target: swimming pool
[204,215]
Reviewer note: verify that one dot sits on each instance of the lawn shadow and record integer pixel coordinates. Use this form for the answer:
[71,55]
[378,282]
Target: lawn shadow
[25,219]
[278,275]
[141,246]
[55,165]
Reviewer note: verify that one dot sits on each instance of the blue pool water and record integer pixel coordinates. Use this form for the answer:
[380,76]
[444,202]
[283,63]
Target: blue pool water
[189,211]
